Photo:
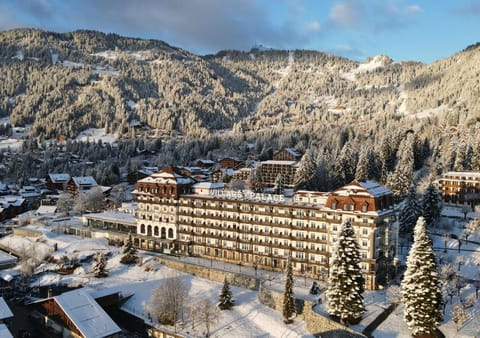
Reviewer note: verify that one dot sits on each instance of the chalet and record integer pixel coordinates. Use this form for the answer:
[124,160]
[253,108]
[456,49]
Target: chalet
[205,164]
[242,174]
[57,181]
[30,194]
[138,174]
[222,175]
[287,154]
[75,314]
[81,184]
[231,162]
[11,206]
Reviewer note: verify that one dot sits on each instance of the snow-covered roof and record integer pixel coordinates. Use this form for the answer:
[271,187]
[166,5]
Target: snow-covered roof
[363,189]
[168,176]
[84,181]
[46,209]
[113,216]
[5,311]
[475,174]
[208,185]
[59,178]
[4,332]
[294,152]
[85,313]
[206,161]
[375,189]
[278,162]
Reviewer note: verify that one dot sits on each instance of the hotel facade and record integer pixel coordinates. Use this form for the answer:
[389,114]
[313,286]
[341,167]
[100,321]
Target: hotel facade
[177,215]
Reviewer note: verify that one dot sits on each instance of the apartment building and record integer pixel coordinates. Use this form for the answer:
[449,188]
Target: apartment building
[263,230]
[460,187]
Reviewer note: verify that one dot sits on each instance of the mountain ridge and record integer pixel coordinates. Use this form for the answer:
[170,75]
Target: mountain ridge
[87,78]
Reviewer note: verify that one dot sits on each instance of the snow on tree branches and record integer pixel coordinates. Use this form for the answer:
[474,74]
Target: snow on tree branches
[345,299]
[421,287]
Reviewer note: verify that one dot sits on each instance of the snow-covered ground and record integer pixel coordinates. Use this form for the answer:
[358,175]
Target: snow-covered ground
[452,225]
[248,318]
[95,134]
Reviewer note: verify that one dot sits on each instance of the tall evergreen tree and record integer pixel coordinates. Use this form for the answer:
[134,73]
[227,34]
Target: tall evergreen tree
[256,179]
[401,179]
[411,210]
[278,187]
[288,308]
[431,205]
[305,173]
[363,171]
[344,293]
[226,300]
[421,287]
[344,168]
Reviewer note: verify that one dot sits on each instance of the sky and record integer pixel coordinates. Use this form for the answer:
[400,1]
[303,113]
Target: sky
[420,30]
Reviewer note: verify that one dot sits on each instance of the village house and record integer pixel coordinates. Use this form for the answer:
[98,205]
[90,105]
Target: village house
[57,181]
[75,314]
[81,184]
[287,154]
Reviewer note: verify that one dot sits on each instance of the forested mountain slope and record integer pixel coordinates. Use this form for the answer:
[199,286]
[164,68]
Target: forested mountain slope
[349,113]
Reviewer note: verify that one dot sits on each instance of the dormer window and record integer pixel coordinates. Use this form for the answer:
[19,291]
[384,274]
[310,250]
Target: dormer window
[365,207]
[334,204]
[348,207]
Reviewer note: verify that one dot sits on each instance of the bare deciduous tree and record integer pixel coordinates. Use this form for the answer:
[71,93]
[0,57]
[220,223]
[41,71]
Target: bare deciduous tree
[168,300]
[209,314]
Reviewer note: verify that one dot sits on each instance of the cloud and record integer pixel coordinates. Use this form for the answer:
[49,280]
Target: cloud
[313,26]
[347,14]
[413,9]
[197,25]
[470,9]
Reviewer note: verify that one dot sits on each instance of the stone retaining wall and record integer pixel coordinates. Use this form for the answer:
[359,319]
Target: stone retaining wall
[316,323]
[235,279]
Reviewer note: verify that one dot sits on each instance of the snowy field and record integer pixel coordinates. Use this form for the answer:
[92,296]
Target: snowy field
[95,134]
[248,318]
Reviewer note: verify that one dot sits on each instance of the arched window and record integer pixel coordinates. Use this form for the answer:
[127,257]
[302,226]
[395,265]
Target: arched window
[155,231]
[149,230]
[170,233]
[142,228]
[163,234]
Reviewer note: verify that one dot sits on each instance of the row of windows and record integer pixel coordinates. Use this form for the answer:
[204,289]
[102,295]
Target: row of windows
[156,231]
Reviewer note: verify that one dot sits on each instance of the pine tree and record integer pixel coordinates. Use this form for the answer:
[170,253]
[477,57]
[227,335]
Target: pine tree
[288,308]
[411,210]
[345,299]
[226,300]
[344,167]
[256,179]
[363,171]
[305,173]
[278,187]
[129,251]
[431,205]
[421,289]
[100,265]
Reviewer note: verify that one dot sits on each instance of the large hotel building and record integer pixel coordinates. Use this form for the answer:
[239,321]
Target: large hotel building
[177,215]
